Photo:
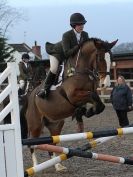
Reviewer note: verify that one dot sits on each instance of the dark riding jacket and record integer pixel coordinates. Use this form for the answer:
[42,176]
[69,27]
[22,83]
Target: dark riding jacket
[121,97]
[67,47]
[25,72]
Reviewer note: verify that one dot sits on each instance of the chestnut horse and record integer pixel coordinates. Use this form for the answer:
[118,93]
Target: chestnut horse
[104,82]
[81,79]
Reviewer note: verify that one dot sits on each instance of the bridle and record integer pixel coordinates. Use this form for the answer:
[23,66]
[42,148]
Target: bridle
[93,74]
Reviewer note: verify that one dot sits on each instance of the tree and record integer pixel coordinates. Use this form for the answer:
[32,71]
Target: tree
[5,53]
[8,16]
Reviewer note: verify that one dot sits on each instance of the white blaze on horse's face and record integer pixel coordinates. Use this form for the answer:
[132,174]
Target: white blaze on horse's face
[106,81]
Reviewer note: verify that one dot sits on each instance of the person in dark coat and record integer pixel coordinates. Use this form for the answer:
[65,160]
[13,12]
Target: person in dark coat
[25,72]
[61,51]
[121,97]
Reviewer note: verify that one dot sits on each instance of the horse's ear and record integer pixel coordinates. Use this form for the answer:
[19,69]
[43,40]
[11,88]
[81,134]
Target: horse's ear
[112,44]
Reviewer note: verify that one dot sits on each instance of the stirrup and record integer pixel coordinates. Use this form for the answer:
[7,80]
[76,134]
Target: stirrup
[43,93]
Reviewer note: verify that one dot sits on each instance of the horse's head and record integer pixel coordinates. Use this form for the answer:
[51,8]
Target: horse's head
[39,76]
[104,58]
[97,58]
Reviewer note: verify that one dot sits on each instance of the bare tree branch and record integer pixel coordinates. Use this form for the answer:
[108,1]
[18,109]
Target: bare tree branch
[9,16]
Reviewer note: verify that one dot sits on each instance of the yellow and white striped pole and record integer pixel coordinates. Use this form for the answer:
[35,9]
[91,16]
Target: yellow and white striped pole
[31,171]
[77,136]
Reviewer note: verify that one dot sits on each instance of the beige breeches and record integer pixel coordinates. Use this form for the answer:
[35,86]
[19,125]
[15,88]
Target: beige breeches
[54,63]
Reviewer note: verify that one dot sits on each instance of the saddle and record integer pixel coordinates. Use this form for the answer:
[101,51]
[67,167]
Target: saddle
[56,50]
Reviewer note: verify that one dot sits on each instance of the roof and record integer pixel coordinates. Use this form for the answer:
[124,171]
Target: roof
[123,56]
[24,48]
[21,47]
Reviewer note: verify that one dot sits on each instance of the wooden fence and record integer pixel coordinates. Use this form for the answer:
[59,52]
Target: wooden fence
[105,93]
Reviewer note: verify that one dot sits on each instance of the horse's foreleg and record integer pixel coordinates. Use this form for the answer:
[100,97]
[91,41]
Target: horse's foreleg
[97,108]
[99,105]
[33,156]
[34,134]
[90,112]
[79,112]
[55,129]
[80,127]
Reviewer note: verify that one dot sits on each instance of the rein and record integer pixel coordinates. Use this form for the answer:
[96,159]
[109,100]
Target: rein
[28,88]
[93,74]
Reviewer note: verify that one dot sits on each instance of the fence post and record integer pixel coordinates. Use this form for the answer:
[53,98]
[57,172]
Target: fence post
[10,134]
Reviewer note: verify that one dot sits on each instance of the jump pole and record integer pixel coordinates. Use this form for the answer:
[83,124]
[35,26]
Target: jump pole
[77,136]
[68,153]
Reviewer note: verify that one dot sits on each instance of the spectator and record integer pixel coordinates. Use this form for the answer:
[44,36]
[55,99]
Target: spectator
[121,97]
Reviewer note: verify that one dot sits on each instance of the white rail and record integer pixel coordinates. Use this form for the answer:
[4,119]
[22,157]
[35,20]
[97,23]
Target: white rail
[10,135]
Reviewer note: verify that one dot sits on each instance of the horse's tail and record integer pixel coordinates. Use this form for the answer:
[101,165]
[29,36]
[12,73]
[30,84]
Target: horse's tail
[23,122]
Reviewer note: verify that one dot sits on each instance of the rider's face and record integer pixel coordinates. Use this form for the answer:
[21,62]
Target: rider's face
[26,60]
[79,28]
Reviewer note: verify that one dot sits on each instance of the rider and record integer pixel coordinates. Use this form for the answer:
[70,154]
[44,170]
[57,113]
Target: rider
[69,46]
[25,73]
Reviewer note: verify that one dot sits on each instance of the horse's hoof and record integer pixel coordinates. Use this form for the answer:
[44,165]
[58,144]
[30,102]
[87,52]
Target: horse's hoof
[60,168]
[80,128]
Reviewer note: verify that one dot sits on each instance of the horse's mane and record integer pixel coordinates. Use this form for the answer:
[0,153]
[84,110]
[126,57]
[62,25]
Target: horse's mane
[94,39]
[104,44]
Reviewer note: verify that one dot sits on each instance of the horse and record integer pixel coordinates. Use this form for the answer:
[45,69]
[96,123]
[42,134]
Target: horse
[81,78]
[104,78]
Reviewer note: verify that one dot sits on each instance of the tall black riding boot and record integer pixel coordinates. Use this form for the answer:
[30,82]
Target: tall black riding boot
[47,84]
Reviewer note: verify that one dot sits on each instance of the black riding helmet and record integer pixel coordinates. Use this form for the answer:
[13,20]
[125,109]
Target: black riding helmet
[25,56]
[76,19]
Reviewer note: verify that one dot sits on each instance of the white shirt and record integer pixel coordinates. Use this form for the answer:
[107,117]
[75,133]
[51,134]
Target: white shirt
[26,65]
[78,35]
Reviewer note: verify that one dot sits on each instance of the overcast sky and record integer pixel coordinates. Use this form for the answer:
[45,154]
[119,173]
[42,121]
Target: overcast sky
[47,20]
